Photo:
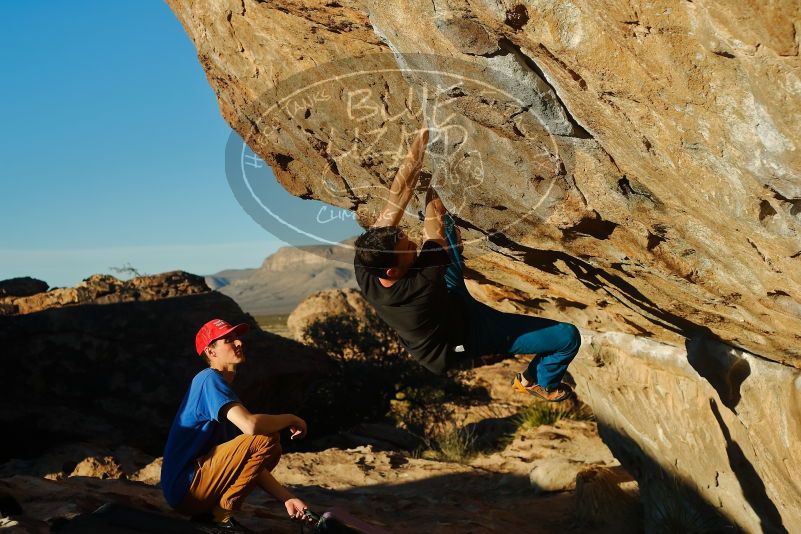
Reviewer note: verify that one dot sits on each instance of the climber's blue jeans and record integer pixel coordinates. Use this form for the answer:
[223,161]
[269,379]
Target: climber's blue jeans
[493,332]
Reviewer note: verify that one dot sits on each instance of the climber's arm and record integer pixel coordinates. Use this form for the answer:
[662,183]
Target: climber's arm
[434,226]
[402,189]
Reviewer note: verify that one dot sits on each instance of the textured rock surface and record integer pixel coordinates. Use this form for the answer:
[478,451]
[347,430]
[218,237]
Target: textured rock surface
[86,459]
[631,168]
[705,427]
[114,374]
[554,474]
[107,289]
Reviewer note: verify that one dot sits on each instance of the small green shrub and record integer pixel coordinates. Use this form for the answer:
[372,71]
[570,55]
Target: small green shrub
[422,408]
[539,413]
[375,380]
[543,413]
[457,445]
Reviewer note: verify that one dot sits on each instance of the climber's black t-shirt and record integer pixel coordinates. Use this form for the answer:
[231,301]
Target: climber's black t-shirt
[429,321]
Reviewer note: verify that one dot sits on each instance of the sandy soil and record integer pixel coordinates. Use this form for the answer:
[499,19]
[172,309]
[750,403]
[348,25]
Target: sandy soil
[391,489]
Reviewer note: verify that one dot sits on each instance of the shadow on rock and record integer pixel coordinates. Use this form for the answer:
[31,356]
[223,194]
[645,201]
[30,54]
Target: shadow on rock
[724,371]
[750,481]
[670,504]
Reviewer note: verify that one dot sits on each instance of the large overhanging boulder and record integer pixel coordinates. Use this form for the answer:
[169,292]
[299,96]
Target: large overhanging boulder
[631,167]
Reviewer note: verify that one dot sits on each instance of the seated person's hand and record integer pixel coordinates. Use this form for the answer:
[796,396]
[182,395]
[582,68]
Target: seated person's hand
[295,508]
[298,428]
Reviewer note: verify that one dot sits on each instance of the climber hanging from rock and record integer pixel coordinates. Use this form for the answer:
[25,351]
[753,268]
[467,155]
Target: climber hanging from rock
[423,297]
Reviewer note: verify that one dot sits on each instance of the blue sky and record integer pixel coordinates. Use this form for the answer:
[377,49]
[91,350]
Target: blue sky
[113,148]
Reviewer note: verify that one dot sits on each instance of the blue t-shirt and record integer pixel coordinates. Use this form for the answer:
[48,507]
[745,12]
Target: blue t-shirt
[195,430]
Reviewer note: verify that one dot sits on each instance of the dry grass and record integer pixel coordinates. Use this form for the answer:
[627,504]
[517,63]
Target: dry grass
[458,445]
[544,413]
[452,444]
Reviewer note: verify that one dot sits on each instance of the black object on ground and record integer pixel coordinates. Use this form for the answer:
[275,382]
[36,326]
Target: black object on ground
[337,521]
[112,518]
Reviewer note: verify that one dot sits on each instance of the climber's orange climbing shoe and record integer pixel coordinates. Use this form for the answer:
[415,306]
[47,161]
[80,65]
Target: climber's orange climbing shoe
[554,394]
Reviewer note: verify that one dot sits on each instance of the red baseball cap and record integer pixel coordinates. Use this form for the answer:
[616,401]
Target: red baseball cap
[215,329]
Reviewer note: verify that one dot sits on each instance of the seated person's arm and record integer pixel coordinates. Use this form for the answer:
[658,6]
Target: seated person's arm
[260,423]
[402,189]
[269,484]
[434,227]
[294,506]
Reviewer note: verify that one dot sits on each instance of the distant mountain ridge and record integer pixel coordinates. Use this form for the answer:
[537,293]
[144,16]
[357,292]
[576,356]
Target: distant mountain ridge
[224,278]
[286,277]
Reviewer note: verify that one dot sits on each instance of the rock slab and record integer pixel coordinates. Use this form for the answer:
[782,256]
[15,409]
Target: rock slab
[706,428]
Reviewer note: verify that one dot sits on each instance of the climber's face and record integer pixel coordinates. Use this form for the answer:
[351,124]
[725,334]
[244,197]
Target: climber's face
[405,256]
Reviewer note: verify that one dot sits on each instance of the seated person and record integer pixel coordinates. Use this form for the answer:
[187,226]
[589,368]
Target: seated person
[207,472]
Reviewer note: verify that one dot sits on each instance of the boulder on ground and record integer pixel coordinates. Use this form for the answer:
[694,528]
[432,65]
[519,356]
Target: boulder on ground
[22,287]
[328,303]
[149,474]
[603,501]
[98,467]
[554,473]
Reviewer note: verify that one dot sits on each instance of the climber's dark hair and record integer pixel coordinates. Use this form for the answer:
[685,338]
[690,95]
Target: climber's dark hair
[375,249]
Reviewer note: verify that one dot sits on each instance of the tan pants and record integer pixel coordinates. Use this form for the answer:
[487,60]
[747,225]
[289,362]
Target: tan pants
[228,473]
